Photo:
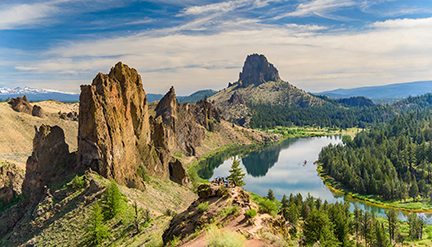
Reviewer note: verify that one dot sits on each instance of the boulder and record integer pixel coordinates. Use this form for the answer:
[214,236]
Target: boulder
[257,70]
[38,111]
[178,173]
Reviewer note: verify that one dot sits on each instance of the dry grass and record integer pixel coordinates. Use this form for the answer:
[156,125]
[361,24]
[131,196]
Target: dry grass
[17,129]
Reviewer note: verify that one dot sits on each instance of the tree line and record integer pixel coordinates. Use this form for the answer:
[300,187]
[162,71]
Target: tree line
[392,161]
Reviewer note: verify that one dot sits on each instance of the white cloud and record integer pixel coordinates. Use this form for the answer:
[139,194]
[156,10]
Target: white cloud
[391,52]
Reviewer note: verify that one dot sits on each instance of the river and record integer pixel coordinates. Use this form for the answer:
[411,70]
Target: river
[287,167]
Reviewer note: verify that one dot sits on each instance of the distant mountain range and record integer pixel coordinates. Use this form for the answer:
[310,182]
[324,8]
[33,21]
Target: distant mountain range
[38,94]
[392,91]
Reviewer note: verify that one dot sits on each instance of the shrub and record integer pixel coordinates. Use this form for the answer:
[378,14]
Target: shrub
[143,173]
[96,231]
[78,182]
[251,213]
[268,206]
[229,210]
[113,203]
[219,238]
[203,206]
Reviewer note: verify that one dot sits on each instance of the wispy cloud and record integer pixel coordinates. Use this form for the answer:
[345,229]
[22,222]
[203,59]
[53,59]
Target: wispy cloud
[14,16]
[322,8]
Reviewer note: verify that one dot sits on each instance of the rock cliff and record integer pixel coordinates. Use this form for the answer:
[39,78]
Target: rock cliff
[114,128]
[257,70]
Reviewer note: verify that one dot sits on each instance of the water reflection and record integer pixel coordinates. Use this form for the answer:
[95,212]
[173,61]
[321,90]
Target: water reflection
[281,168]
[258,163]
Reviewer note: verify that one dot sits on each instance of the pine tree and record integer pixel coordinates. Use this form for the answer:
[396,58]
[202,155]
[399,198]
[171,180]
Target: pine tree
[96,230]
[112,201]
[414,191]
[392,215]
[236,173]
[270,195]
[284,202]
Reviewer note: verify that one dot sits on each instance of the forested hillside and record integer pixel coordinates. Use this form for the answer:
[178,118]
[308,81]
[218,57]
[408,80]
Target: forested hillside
[392,161]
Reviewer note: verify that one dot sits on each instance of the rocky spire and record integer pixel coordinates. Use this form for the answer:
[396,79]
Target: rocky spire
[257,70]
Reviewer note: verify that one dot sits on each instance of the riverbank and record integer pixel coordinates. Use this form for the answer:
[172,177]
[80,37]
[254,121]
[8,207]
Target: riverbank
[297,132]
[408,206]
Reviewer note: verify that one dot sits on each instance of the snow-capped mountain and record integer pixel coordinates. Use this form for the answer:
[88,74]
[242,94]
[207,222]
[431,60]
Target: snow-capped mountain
[38,94]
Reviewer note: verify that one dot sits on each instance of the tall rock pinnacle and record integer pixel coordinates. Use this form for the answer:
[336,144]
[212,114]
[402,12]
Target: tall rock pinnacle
[257,70]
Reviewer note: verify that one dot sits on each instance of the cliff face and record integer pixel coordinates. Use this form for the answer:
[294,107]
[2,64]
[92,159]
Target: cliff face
[114,129]
[185,124]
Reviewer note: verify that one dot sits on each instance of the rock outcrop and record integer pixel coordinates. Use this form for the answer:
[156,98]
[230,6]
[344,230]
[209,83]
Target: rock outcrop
[21,104]
[49,161]
[257,70]
[218,198]
[183,124]
[114,128]
[11,179]
[71,116]
[38,111]
[236,98]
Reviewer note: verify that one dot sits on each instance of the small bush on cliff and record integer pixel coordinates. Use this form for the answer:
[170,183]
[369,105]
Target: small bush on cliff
[268,206]
[79,182]
[251,213]
[96,230]
[113,203]
[203,206]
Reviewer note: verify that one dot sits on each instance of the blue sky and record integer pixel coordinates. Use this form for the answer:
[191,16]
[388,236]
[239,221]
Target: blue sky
[316,45]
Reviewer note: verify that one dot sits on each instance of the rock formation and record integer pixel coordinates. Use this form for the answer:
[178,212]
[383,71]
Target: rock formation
[236,98]
[50,160]
[257,70]
[218,198]
[71,116]
[11,179]
[183,123]
[114,128]
[22,105]
[38,111]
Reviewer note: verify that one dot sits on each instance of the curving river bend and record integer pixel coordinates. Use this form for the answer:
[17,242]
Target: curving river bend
[281,167]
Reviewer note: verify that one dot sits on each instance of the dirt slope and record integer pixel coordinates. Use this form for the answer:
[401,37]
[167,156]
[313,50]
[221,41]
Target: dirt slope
[17,129]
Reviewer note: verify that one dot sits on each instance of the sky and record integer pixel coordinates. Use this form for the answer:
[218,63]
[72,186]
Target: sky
[316,45]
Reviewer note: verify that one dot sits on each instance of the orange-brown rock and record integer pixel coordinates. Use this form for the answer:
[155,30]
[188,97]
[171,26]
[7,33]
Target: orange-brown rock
[49,161]
[114,128]
[183,124]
